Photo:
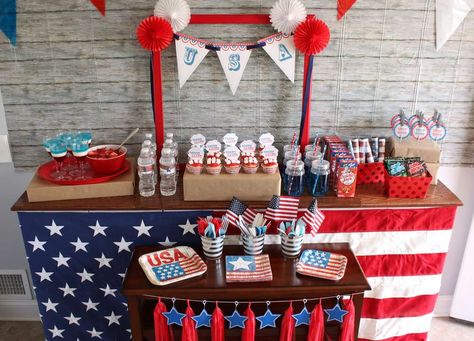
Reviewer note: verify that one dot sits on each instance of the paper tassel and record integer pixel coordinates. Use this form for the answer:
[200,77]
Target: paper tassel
[316,324]
[217,325]
[100,5]
[248,333]
[343,6]
[8,19]
[163,332]
[287,331]
[347,328]
[189,332]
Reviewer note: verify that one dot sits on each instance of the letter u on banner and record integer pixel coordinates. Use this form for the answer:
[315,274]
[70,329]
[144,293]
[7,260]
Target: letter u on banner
[281,48]
[189,54]
[234,59]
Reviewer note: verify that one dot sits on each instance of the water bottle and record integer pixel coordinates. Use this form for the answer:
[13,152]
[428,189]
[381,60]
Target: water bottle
[146,173]
[169,143]
[167,172]
[148,144]
[149,137]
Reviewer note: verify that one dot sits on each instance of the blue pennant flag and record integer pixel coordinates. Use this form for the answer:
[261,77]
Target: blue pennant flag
[8,19]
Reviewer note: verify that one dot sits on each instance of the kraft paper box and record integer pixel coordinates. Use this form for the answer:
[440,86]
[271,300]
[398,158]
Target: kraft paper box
[427,150]
[42,190]
[222,187]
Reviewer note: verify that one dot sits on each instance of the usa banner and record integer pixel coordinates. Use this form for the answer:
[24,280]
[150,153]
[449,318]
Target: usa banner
[281,48]
[233,59]
[190,52]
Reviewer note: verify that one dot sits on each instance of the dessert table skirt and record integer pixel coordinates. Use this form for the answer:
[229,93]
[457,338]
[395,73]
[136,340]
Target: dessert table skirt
[78,261]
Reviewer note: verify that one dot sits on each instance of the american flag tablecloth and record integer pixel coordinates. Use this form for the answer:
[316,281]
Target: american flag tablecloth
[78,261]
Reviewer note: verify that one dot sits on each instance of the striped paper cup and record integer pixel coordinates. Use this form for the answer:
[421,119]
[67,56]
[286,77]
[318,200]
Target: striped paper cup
[212,247]
[291,246]
[253,245]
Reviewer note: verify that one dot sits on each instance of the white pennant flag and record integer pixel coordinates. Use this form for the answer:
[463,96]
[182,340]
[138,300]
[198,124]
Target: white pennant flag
[281,48]
[449,15]
[233,59]
[189,54]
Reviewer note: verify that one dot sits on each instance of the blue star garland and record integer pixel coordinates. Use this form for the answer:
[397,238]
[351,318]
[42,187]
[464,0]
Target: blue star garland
[203,319]
[336,313]
[302,317]
[268,319]
[236,320]
[174,317]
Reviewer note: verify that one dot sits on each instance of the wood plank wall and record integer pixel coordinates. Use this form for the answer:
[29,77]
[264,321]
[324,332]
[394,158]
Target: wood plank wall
[75,69]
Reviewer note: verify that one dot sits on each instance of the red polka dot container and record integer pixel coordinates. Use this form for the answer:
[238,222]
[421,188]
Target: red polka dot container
[414,187]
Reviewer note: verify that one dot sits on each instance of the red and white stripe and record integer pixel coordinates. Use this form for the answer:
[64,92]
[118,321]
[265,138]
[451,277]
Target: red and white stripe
[313,220]
[287,209]
[190,265]
[262,273]
[248,216]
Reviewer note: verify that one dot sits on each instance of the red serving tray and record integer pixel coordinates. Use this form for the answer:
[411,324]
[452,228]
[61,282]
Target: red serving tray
[45,170]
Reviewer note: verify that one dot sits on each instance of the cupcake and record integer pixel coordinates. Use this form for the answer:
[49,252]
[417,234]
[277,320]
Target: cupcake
[232,166]
[244,155]
[213,165]
[250,165]
[269,166]
[194,166]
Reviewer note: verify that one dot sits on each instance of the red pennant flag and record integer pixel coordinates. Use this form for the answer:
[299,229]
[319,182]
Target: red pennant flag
[343,6]
[316,324]
[162,330]
[347,328]
[217,325]
[248,333]
[100,5]
[189,332]
[287,330]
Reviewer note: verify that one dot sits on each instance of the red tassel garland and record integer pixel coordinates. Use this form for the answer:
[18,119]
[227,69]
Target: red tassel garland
[162,330]
[287,331]
[189,332]
[316,324]
[248,333]
[347,328]
[217,325]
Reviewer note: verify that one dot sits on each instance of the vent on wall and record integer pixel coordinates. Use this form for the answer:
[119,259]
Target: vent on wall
[14,285]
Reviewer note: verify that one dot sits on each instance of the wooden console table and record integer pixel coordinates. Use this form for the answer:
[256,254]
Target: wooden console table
[286,285]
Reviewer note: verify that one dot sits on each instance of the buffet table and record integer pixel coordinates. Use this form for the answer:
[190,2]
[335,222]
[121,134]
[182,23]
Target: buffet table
[79,250]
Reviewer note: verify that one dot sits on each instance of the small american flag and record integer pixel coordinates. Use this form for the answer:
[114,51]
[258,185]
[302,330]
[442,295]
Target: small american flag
[248,269]
[237,208]
[313,217]
[321,264]
[282,208]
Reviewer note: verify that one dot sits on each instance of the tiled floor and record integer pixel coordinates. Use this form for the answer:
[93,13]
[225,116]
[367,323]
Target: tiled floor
[443,329]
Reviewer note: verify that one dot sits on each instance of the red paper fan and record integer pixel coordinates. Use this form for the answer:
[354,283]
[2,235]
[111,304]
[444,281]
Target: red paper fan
[154,34]
[312,36]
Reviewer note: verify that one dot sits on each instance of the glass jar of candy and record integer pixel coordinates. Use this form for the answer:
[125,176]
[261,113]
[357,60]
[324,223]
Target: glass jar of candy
[318,180]
[294,173]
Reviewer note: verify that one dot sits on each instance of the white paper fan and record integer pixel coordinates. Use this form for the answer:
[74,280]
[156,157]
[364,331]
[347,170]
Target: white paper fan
[177,12]
[285,15]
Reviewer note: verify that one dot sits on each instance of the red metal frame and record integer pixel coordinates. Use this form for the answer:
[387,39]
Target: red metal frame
[207,19]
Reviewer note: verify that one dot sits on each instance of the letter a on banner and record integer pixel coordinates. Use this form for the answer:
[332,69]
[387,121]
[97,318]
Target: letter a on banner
[233,59]
[281,48]
[189,54]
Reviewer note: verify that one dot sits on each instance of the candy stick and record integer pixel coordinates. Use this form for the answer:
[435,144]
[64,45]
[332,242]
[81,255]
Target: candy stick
[381,150]
[368,151]
[355,147]
[374,145]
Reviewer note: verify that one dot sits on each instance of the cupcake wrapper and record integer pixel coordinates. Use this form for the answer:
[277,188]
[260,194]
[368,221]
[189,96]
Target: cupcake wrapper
[270,169]
[250,170]
[213,170]
[232,170]
[193,170]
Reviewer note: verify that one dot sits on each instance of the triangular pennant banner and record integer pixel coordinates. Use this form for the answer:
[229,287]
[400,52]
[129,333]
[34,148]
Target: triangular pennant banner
[100,5]
[449,15]
[343,6]
[233,59]
[189,54]
[281,48]
[8,19]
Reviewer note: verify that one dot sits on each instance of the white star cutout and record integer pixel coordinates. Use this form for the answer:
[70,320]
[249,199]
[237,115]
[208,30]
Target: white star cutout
[95,333]
[44,275]
[54,229]
[167,242]
[104,261]
[108,291]
[61,260]
[68,290]
[143,229]
[37,244]
[90,305]
[123,245]
[80,245]
[57,332]
[188,227]
[240,263]
[50,305]
[73,319]
[85,276]
[112,318]
[98,229]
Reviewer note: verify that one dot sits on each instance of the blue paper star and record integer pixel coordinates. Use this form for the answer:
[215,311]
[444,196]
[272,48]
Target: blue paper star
[236,320]
[174,317]
[268,319]
[302,317]
[336,313]
[203,319]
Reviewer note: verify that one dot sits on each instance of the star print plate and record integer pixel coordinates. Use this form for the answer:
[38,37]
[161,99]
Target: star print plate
[248,269]
[322,264]
[172,265]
